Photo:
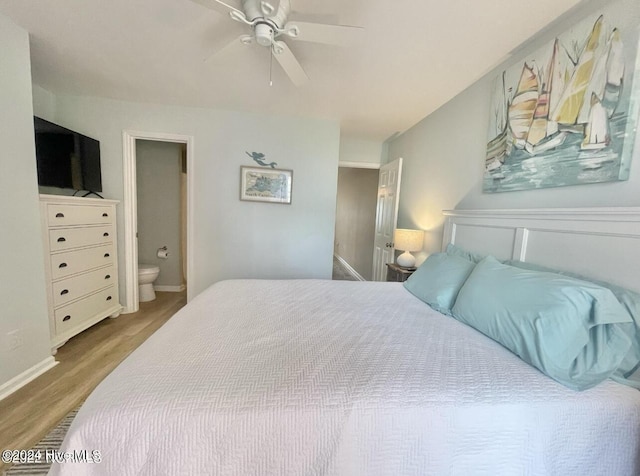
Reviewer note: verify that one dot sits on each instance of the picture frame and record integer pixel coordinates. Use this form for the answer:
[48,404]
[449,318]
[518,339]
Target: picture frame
[566,114]
[271,185]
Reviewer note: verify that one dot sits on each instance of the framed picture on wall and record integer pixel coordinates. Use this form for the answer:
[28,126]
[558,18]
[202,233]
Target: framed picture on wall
[566,114]
[265,185]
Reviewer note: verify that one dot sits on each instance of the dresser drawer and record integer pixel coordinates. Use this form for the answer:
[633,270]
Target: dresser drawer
[77,286]
[65,238]
[78,215]
[70,316]
[72,262]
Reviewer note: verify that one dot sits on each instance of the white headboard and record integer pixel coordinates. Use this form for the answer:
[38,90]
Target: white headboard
[602,243]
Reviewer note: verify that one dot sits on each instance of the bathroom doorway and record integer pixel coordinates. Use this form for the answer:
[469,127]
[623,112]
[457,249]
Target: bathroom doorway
[157,193]
[161,186]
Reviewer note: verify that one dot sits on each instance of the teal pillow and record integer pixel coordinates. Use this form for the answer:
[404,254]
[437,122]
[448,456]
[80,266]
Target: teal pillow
[438,280]
[574,331]
[453,250]
[628,372]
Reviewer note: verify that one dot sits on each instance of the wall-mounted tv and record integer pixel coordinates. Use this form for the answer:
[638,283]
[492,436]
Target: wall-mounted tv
[65,158]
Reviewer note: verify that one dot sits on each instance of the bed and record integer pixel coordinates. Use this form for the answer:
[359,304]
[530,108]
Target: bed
[297,377]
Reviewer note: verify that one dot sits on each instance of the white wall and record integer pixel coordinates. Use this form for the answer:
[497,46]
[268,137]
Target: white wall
[158,166]
[44,103]
[22,286]
[232,238]
[444,156]
[354,150]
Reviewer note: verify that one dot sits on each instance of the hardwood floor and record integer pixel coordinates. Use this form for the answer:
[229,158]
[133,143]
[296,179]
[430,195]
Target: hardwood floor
[85,360]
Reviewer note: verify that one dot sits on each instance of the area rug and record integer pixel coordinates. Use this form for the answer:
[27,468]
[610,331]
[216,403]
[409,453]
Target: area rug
[52,441]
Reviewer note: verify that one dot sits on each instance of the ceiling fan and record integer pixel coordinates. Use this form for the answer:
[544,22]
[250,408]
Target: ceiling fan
[270,25]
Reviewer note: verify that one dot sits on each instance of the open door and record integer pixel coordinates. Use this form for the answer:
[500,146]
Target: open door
[386,217]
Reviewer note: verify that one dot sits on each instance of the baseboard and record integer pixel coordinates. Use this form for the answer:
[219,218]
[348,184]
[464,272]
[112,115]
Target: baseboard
[170,289]
[27,376]
[348,267]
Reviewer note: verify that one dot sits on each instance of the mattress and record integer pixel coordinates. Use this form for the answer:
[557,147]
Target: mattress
[311,377]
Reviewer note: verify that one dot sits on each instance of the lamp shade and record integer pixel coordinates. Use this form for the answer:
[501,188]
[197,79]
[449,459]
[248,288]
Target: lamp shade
[408,240]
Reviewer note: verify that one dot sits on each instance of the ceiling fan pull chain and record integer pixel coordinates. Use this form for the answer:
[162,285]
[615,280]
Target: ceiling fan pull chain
[270,66]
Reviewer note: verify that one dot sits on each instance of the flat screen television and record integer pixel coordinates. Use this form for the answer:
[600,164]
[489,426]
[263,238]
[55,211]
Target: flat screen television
[65,158]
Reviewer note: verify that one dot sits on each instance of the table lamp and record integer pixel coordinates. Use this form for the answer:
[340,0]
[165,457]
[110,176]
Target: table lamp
[407,241]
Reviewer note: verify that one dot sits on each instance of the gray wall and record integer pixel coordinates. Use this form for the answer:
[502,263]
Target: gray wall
[158,185]
[444,156]
[356,217]
[22,283]
[232,238]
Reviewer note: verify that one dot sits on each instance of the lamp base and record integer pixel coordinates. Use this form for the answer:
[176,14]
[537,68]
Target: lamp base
[406,260]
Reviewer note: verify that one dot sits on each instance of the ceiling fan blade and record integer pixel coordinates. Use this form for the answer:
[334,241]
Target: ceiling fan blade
[339,35]
[295,17]
[223,7]
[290,64]
[232,47]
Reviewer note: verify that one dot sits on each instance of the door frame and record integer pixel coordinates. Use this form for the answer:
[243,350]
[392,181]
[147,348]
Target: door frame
[130,206]
[360,165]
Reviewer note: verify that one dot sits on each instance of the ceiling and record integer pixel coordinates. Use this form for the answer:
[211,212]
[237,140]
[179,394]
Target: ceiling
[413,56]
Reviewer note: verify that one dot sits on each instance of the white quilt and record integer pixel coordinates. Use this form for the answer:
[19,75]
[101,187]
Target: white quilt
[342,378]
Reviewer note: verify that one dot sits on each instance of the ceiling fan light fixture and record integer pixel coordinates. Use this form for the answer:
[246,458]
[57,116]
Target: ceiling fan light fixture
[264,34]
[268,22]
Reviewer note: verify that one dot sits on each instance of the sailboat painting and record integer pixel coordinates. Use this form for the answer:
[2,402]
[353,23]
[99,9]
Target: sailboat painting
[567,113]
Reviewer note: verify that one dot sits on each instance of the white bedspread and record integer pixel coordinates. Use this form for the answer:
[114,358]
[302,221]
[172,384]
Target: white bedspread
[342,378]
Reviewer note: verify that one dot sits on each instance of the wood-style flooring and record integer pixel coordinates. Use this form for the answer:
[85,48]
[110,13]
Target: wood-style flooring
[85,360]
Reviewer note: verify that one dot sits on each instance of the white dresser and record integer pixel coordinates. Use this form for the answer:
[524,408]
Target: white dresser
[81,263]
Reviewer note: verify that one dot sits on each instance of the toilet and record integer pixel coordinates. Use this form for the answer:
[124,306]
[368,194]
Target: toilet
[147,274]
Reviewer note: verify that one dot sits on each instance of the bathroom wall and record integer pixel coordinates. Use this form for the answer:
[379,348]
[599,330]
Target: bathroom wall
[158,180]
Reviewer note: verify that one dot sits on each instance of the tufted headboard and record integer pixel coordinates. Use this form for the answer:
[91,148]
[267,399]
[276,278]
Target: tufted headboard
[601,243]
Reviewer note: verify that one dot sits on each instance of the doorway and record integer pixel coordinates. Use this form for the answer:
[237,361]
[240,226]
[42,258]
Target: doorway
[355,223]
[130,206]
[161,196]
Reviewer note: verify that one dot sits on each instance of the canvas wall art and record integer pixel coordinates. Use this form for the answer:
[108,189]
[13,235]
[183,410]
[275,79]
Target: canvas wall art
[567,114]
[265,184]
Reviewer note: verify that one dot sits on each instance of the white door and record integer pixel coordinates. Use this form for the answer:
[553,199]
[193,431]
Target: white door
[386,217]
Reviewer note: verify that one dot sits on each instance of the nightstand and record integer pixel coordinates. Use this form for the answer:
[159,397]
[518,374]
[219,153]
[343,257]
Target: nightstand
[398,273]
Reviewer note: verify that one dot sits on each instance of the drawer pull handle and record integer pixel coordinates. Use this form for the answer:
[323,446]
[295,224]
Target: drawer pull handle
[62,265]
[105,234]
[66,318]
[62,239]
[106,255]
[108,298]
[105,214]
[59,215]
[63,292]
[108,276]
